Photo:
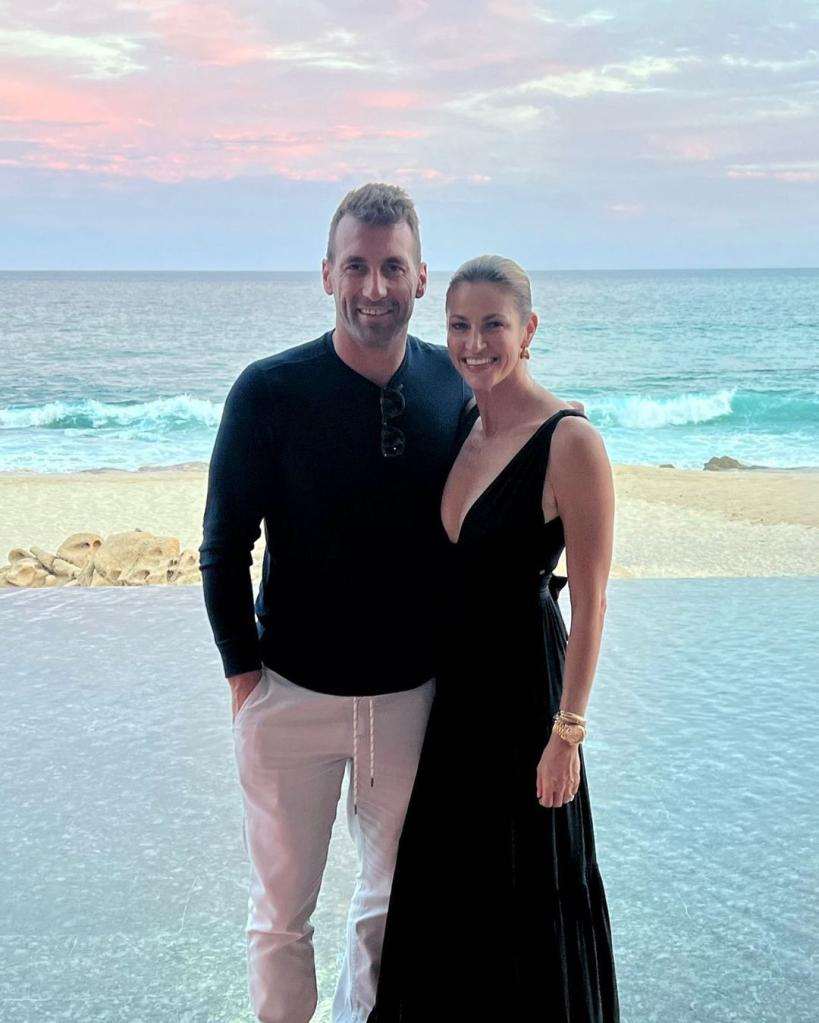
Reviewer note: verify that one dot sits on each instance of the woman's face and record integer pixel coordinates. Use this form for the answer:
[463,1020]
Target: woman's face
[485,333]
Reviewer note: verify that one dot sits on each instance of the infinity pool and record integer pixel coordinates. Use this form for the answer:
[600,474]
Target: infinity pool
[122,873]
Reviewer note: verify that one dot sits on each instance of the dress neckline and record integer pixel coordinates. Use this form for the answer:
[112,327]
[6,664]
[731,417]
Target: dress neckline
[496,479]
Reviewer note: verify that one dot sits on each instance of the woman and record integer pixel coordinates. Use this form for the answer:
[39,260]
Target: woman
[498,910]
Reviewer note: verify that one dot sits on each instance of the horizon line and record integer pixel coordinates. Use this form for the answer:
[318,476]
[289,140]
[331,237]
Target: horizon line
[317,269]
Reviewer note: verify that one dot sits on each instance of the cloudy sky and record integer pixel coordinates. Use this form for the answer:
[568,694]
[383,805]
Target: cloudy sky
[220,134]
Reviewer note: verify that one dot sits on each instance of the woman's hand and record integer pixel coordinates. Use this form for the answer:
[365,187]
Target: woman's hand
[558,772]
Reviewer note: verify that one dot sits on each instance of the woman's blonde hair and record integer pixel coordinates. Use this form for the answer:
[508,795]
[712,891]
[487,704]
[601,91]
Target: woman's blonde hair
[500,271]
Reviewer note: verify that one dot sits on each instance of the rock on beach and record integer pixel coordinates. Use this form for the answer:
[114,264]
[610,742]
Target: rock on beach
[135,558]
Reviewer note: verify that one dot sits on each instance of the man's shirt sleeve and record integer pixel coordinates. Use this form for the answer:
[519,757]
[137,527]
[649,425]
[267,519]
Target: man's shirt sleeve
[234,510]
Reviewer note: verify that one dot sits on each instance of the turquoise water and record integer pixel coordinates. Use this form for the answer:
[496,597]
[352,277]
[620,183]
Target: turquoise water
[122,875]
[131,369]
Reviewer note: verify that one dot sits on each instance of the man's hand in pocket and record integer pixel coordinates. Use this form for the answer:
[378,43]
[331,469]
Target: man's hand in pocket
[241,686]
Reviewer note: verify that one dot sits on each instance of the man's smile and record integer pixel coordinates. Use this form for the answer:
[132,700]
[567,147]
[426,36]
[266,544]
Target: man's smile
[373,310]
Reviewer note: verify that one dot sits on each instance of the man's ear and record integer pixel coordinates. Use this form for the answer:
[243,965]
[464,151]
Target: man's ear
[422,280]
[327,275]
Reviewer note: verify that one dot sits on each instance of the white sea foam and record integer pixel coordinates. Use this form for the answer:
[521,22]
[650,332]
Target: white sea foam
[645,413]
[177,410]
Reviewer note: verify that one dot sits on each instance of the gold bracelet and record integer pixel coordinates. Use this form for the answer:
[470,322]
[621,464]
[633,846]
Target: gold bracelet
[567,715]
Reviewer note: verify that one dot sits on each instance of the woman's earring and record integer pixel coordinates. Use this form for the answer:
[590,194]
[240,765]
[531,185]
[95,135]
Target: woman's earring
[524,353]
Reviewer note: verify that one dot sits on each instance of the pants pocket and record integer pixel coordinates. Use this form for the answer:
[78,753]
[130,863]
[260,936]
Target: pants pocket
[254,697]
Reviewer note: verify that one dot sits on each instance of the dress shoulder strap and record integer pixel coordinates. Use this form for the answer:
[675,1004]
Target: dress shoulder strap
[562,413]
[541,442]
[548,427]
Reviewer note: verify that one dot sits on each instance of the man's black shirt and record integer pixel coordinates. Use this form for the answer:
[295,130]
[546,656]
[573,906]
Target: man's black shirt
[348,599]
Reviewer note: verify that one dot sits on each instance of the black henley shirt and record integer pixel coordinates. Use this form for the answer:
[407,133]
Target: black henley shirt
[354,545]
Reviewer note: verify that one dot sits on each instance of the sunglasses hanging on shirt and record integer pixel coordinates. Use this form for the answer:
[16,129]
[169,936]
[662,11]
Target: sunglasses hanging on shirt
[393,404]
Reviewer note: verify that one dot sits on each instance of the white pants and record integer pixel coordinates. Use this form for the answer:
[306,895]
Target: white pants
[293,746]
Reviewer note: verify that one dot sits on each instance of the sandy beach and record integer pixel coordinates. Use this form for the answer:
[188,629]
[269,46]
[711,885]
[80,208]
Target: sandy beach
[670,522]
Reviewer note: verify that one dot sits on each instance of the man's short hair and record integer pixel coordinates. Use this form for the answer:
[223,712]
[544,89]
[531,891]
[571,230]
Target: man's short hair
[377,203]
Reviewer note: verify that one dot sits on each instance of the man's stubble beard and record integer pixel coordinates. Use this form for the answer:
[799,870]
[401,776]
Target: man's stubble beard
[375,339]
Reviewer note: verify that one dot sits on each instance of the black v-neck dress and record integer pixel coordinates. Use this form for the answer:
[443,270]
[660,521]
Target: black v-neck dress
[498,910]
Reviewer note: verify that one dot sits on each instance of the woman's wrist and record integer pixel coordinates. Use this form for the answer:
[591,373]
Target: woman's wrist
[569,727]
[569,715]
[560,746]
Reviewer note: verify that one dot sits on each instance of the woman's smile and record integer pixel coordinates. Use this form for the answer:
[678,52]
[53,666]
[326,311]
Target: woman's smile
[477,361]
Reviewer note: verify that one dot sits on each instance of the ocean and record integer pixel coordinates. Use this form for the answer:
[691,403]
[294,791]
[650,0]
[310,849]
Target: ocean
[127,370]
[123,882]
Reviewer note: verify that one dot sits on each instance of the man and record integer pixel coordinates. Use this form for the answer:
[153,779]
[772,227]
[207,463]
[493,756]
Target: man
[341,446]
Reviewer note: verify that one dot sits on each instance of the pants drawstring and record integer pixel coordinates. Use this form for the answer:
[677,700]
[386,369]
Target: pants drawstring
[355,748]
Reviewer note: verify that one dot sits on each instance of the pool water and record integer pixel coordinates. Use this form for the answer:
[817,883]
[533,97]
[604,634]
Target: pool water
[123,878]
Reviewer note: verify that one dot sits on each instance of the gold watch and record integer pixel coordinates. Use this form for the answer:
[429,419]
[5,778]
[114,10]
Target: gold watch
[571,733]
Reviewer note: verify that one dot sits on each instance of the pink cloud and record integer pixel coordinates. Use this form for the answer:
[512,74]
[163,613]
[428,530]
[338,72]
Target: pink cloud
[64,132]
[25,101]
[409,10]
[432,175]
[695,150]
[208,32]
[517,10]
[689,148]
[403,133]
[231,90]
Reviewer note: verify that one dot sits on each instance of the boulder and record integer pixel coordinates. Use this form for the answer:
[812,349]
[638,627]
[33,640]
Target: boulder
[45,559]
[184,570]
[26,572]
[724,462]
[135,559]
[64,569]
[79,548]
[85,574]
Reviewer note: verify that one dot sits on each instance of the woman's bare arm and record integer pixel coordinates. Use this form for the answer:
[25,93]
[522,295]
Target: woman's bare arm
[581,480]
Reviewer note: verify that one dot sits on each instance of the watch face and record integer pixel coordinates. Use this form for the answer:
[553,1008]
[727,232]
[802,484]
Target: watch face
[571,733]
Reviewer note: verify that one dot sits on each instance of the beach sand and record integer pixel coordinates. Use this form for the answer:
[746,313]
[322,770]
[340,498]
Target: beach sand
[669,522]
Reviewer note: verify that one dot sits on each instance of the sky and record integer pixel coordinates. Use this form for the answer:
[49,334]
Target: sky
[221,134]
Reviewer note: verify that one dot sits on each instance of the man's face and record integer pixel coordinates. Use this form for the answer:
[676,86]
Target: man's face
[374,278]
